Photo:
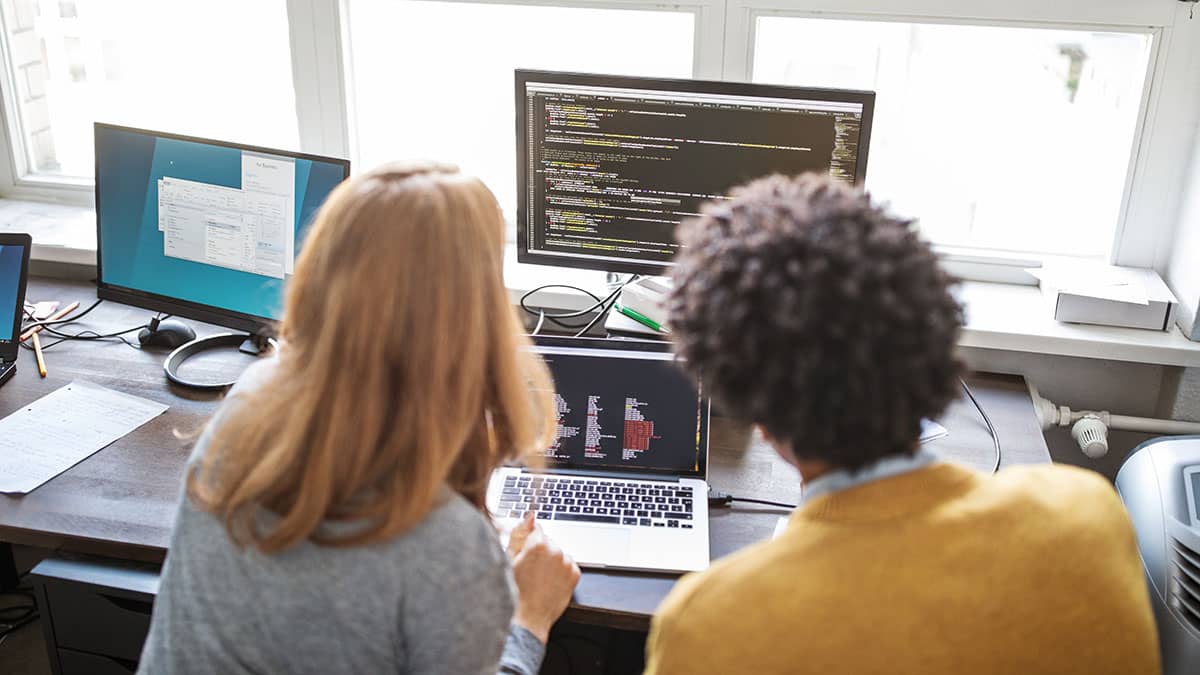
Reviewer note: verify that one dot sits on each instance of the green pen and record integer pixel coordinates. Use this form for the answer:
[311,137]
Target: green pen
[640,318]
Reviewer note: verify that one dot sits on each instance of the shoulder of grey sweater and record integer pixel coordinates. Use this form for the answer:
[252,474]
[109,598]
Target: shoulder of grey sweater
[461,540]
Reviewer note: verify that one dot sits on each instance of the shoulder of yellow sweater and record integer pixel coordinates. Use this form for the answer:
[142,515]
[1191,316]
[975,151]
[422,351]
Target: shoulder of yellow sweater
[700,588]
[1072,496]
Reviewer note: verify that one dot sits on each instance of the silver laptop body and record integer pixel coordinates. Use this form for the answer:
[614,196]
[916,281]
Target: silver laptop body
[623,485]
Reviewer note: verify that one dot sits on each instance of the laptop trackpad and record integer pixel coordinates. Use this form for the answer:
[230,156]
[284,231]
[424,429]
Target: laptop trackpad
[594,545]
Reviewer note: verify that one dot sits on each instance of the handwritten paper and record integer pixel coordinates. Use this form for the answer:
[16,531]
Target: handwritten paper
[63,428]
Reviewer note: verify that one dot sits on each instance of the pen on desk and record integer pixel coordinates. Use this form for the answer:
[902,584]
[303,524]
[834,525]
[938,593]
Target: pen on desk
[53,317]
[641,318]
[37,353]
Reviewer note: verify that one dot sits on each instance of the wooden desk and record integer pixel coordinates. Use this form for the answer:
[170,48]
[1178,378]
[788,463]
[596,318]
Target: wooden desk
[121,501]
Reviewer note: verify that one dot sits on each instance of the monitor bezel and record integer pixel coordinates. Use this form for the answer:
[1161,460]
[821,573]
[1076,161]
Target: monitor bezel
[9,349]
[635,345]
[250,323]
[524,76]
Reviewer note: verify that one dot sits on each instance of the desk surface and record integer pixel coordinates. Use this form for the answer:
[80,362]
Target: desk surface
[121,501]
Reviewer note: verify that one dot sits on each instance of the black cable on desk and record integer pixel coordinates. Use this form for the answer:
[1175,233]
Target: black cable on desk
[85,335]
[12,618]
[67,319]
[718,498]
[599,305]
[988,421]
[557,318]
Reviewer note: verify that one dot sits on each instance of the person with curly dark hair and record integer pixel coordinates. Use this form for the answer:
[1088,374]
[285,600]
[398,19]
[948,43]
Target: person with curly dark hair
[826,321]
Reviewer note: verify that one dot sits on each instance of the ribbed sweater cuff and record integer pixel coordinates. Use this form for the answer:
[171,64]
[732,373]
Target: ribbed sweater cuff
[523,653]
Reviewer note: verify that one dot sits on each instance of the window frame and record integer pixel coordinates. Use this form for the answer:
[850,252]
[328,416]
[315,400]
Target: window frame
[1150,164]
[723,49]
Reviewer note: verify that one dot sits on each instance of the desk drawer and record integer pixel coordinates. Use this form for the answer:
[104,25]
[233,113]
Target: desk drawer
[98,620]
[78,663]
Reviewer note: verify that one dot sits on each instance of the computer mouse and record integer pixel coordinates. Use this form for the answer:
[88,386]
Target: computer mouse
[170,333]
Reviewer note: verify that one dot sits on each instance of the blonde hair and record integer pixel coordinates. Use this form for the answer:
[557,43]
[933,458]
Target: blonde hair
[403,369]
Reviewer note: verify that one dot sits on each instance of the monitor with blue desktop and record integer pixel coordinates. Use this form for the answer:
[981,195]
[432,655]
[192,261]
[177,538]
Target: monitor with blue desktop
[14,272]
[203,229]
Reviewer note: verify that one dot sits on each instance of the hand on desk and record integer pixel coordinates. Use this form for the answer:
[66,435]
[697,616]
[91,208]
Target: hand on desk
[545,575]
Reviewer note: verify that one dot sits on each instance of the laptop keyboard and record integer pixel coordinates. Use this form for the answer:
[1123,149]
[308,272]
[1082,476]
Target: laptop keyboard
[613,502]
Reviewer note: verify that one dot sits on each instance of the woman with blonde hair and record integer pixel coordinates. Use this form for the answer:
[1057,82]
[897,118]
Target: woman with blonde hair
[334,516]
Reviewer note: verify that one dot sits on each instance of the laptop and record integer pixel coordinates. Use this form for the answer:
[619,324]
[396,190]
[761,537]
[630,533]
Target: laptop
[14,271]
[623,483]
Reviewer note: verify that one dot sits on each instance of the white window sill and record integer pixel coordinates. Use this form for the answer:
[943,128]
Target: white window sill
[1000,316]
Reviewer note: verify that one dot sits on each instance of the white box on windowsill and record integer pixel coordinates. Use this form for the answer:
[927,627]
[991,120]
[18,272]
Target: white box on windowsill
[1107,295]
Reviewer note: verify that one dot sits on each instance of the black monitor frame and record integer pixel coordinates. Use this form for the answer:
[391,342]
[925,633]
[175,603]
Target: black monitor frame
[256,325]
[10,348]
[522,77]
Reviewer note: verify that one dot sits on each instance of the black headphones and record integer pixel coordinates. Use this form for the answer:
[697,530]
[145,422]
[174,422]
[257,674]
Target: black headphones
[186,350]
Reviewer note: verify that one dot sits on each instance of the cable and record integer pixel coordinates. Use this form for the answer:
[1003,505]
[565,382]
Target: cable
[87,335]
[609,302]
[13,617]
[599,305]
[541,320]
[986,420]
[597,302]
[718,498]
[67,319]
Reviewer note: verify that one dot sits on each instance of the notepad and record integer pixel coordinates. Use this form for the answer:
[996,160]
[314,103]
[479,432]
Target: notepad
[63,428]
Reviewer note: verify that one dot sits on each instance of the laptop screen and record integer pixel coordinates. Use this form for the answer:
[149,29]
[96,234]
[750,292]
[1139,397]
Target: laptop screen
[625,408]
[13,257]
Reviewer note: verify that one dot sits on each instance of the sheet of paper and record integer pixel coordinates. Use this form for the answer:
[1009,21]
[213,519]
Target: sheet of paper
[780,526]
[64,427]
[1095,281]
[931,431]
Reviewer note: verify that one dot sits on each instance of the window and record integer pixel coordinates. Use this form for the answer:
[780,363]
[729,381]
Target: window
[435,79]
[1024,127]
[995,137]
[219,68]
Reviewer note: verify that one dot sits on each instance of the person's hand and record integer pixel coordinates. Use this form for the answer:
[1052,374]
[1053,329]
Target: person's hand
[545,575]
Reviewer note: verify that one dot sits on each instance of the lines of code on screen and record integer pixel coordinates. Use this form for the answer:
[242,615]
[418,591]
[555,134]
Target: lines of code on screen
[611,173]
[624,412]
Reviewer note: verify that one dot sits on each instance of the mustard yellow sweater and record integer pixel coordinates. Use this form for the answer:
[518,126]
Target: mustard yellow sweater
[941,570]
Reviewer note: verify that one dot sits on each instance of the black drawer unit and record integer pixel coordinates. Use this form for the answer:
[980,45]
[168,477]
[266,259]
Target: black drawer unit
[95,613]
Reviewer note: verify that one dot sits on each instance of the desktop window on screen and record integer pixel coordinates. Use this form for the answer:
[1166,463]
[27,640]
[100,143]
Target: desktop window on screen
[203,222]
[11,259]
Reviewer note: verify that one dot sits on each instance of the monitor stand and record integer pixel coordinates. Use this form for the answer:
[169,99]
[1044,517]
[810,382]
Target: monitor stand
[253,344]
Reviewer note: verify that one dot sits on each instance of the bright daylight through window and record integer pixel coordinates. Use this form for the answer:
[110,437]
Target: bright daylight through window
[435,79]
[219,69]
[1003,138]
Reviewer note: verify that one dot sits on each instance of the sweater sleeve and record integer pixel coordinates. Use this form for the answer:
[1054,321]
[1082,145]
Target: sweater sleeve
[458,625]
[522,654]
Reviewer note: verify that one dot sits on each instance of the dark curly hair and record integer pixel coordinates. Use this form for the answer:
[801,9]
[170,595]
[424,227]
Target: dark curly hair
[811,311]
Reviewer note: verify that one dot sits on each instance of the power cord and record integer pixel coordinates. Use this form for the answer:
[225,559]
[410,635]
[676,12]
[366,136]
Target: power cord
[718,498]
[86,335]
[64,320]
[986,420]
[14,617]
[557,319]
[599,305]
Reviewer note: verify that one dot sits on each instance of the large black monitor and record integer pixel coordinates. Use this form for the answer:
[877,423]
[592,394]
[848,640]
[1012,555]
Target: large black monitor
[608,166]
[203,229]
